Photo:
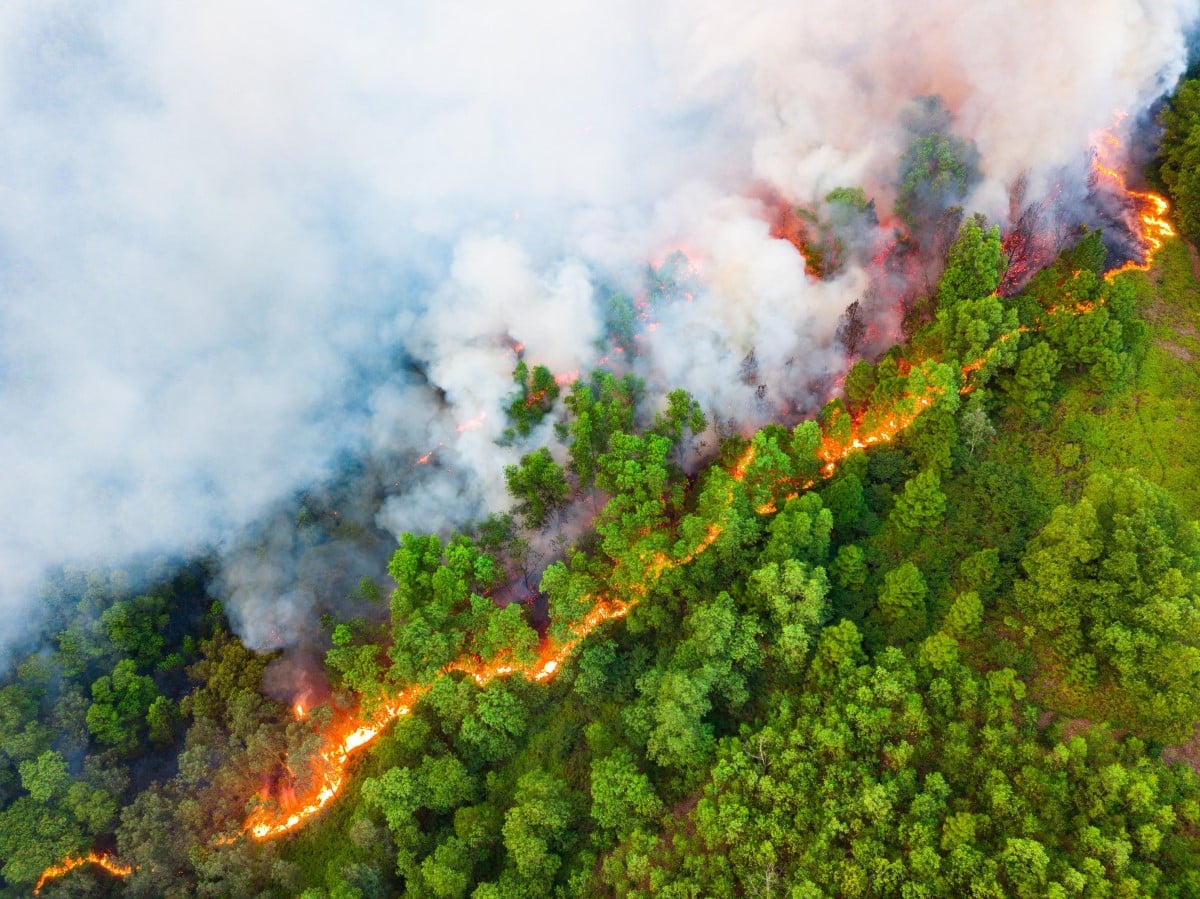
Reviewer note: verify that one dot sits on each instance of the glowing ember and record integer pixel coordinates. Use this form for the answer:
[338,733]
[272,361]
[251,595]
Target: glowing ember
[70,863]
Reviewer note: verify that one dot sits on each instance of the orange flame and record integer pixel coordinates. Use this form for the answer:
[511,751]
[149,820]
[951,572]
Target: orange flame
[1151,210]
[472,424]
[355,733]
[359,730]
[70,863]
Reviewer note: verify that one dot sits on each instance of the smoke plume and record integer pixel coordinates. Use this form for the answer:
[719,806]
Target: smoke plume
[243,243]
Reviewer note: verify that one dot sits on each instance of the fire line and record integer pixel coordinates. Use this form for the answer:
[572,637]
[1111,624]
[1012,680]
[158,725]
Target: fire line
[360,730]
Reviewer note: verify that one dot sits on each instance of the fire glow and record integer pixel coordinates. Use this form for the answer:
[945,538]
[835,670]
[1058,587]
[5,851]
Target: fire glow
[1151,228]
[357,730]
[70,863]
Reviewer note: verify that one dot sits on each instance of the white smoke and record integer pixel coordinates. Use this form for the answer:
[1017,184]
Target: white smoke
[222,224]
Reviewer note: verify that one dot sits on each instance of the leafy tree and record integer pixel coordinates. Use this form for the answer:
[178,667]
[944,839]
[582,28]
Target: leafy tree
[1113,586]
[937,168]
[860,382]
[539,485]
[1030,385]
[596,410]
[975,426]
[622,797]
[682,417]
[922,505]
[902,602]
[1179,156]
[119,706]
[536,393]
[793,595]
[535,826]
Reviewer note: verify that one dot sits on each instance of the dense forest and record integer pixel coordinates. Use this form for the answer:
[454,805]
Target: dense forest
[941,640]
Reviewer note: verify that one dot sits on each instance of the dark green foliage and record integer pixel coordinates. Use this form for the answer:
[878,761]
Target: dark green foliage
[1179,156]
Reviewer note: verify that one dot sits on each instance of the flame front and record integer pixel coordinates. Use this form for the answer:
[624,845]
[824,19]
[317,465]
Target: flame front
[1151,210]
[359,730]
[70,863]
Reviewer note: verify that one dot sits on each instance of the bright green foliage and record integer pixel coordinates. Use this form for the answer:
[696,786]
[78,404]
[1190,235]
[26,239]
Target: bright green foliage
[804,449]
[853,197]
[1113,587]
[974,268]
[632,525]
[597,409]
[800,531]
[45,777]
[768,477]
[793,596]
[534,828]
[890,782]
[356,661]
[56,817]
[932,437]
[438,605]
[922,505]
[683,414]
[162,717]
[34,836]
[134,628]
[970,316]
[710,664]
[571,589]
[965,617]
[1030,385]
[539,486]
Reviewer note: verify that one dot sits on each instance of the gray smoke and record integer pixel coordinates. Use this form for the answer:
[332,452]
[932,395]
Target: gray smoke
[241,241]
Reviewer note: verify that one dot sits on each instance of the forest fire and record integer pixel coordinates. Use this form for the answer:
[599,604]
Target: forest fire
[352,732]
[355,732]
[1149,210]
[343,739]
[70,863]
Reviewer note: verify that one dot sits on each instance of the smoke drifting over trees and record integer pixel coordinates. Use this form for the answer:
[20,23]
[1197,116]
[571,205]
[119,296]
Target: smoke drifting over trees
[241,245]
